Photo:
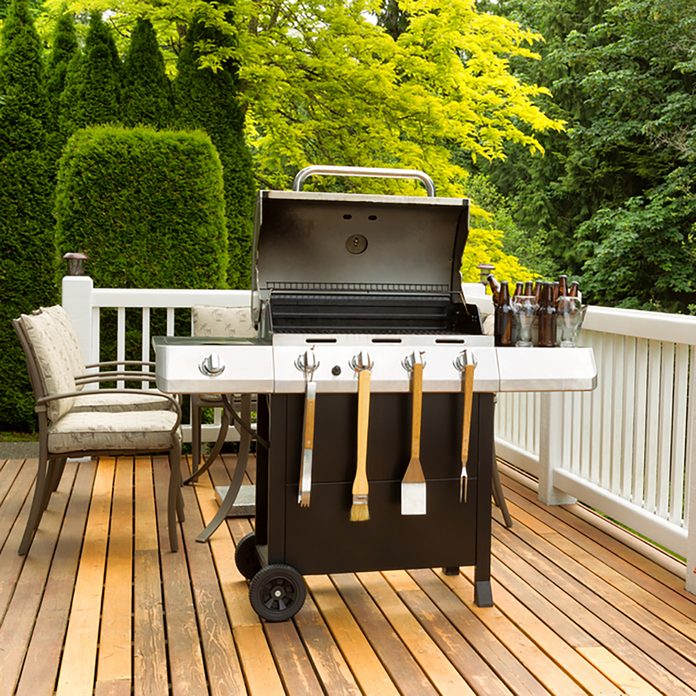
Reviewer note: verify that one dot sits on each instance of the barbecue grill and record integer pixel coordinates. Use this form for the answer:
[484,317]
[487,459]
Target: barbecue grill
[343,281]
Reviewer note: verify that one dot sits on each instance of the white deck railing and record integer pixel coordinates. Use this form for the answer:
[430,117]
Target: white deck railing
[626,449]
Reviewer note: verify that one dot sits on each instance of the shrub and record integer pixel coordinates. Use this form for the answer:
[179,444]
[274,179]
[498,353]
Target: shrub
[26,273]
[147,207]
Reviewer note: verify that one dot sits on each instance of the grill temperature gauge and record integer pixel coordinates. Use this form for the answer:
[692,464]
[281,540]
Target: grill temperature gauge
[212,366]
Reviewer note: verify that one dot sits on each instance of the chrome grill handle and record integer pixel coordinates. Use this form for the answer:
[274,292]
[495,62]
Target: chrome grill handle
[373,172]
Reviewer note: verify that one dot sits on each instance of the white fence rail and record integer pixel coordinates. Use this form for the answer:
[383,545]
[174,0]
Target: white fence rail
[84,303]
[626,449]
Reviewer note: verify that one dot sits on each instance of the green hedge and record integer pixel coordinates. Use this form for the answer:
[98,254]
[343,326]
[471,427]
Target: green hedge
[26,273]
[147,207]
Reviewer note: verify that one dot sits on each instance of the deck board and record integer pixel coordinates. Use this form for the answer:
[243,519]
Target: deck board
[101,606]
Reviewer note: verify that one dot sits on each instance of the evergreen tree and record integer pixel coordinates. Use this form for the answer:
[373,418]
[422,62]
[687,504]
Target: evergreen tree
[209,100]
[92,85]
[64,48]
[147,92]
[22,96]
[26,223]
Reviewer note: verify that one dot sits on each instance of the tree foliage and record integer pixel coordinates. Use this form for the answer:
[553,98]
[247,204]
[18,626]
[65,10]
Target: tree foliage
[64,47]
[209,100]
[92,91]
[615,198]
[22,92]
[147,93]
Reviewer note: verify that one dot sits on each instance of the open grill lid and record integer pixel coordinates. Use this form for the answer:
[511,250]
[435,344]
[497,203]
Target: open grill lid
[317,252]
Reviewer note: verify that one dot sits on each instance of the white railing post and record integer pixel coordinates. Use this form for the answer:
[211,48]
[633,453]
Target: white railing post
[77,302]
[551,449]
[690,481]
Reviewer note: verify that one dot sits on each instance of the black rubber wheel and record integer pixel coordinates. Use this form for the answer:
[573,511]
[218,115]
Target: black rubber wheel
[246,558]
[277,592]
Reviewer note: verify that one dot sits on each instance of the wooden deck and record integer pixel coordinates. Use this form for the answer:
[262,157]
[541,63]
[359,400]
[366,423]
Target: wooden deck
[100,605]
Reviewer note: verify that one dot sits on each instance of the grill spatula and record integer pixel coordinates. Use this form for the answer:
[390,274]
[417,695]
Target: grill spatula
[413,492]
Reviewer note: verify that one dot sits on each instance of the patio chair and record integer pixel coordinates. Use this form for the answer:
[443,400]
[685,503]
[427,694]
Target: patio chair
[103,400]
[217,322]
[66,431]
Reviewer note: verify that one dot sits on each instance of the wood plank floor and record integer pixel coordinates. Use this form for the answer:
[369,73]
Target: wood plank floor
[101,606]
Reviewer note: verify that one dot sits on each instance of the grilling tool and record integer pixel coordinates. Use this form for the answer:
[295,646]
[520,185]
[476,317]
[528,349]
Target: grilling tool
[413,493]
[307,363]
[359,511]
[465,362]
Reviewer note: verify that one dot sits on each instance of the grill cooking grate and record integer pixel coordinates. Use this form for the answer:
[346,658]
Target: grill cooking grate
[357,287]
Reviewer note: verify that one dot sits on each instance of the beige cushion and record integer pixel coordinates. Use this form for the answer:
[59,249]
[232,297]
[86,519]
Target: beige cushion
[135,431]
[52,360]
[222,321]
[149,400]
[65,334]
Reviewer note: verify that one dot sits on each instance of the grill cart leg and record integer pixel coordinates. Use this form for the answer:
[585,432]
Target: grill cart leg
[451,570]
[277,592]
[483,596]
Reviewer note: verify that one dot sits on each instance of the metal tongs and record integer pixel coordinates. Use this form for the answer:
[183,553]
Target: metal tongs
[466,362]
[307,363]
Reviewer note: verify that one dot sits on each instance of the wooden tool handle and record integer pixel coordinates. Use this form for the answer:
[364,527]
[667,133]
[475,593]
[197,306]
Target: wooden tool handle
[417,409]
[310,407]
[468,387]
[360,482]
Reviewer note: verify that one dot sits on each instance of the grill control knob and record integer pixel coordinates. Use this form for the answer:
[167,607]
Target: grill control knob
[336,370]
[212,366]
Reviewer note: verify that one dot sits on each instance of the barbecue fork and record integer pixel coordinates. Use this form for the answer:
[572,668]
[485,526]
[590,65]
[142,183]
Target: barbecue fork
[307,363]
[465,362]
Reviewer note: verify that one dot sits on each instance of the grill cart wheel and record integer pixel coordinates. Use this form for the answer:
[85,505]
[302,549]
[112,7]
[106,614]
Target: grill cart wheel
[277,592]
[245,556]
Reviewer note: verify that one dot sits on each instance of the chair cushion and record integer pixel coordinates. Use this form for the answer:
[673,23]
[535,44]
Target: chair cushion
[65,334]
[149,400]
[52,360]
[222,321]
[131,431]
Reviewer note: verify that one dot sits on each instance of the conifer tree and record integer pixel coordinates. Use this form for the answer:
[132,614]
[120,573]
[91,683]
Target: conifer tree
[26,222]
[22,95]
[92,86]
[147,92]
[63,49]
[209,100]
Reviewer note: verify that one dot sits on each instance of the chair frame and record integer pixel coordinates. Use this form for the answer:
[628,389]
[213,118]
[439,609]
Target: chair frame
[51,464]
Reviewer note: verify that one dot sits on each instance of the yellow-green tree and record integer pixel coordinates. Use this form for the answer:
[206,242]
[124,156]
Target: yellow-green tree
[321,82]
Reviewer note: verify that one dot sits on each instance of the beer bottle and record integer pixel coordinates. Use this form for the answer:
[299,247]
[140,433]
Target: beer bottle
[538,286]
[555,291]
[528,288]
[503,317]
[494,286]
[574,289]
[519,289]
[562,285]
[546,318]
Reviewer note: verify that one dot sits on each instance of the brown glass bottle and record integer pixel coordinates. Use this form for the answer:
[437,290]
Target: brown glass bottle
[519,289]
[529,288]
[562,285]
[546,318]
[494,285]
[574,289]
[538,287]
[504,317]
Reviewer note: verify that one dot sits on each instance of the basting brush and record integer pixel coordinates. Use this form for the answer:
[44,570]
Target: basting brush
[359,511]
